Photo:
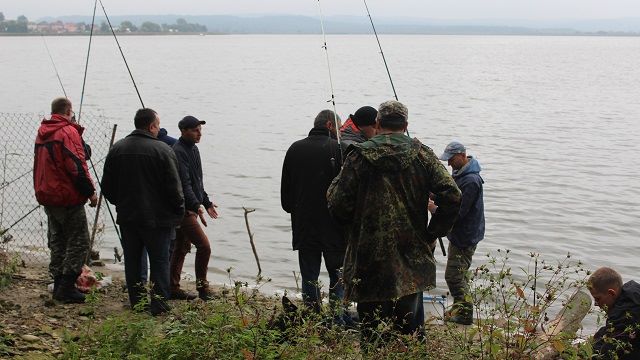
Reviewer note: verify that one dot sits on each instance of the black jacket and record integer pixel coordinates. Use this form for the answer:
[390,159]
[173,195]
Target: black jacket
[621,333]
[190,169]
[141,179]
[309,167]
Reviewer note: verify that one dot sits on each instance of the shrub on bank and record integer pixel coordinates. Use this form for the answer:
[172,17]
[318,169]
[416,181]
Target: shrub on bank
[512,309]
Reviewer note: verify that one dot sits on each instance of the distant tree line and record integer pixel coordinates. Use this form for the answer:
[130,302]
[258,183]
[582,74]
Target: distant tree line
[23,25]
[19,25]
[181,25]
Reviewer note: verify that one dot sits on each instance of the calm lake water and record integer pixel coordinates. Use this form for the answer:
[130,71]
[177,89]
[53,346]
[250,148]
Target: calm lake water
[553,121]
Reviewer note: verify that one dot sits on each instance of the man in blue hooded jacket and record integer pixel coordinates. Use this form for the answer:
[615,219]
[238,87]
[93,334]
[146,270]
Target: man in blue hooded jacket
[467,231]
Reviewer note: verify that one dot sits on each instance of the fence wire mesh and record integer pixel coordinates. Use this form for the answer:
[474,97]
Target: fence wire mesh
[23,223]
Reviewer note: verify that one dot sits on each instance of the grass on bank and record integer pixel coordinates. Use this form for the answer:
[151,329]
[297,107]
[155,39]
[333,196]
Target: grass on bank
[512,304]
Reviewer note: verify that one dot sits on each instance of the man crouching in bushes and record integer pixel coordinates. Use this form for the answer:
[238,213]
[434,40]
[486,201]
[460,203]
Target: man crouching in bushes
[620,337]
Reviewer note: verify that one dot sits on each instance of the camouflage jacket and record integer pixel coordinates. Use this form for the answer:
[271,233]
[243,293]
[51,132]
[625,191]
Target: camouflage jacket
[381,197]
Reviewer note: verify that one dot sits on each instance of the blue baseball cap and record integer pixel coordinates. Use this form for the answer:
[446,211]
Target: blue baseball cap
[453,148]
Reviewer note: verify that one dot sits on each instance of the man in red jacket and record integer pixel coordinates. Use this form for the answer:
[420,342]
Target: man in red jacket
[63,185]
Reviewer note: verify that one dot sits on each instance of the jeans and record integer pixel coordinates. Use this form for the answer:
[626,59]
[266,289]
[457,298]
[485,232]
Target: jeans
[310,271]
[156,240]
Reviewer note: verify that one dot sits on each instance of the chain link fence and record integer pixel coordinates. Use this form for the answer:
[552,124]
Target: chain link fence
[23,223]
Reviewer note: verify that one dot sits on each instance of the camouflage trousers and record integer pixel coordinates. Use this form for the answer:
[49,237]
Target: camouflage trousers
[458,263]
[68,239]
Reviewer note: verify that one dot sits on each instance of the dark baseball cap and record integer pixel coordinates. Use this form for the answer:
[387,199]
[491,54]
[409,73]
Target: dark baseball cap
[189,122]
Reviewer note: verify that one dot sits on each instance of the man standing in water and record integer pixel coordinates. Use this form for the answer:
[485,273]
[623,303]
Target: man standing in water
[63,185]
[309,167]
[196,203]
[467,231]
[620,337]
[381,197]
[141,179]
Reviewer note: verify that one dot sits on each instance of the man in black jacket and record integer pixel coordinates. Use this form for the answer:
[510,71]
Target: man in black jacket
[309,167]
[620,337]
[196,203]
[141,179]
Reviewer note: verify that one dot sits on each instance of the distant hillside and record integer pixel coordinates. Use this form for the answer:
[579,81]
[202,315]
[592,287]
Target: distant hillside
[289,24]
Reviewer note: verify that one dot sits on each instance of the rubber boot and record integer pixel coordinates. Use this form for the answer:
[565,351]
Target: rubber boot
[67,291]
[204,291]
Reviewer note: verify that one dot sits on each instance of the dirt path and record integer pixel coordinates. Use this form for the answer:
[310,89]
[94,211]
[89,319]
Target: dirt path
[33,325]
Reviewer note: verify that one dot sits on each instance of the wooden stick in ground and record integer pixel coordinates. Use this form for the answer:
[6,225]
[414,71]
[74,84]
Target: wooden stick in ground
[253,245]
[95,220]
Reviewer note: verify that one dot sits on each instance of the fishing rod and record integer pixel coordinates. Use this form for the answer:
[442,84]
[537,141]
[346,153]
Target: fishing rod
[54,66]
[86,65]
[384,59]
[333,98]
[93,167]
[122,53]
[95,173]
[381,52]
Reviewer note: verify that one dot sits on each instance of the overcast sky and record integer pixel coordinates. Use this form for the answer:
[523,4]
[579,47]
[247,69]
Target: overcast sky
[435,9]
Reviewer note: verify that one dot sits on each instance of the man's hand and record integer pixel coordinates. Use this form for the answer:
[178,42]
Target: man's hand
[432,207]
[93,200]
[201,216]
[212,211]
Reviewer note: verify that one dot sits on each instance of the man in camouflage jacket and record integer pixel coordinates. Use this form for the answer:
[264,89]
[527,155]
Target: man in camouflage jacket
[381,198]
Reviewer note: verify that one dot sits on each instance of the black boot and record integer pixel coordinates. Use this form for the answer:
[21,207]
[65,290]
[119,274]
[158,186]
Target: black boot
[56,283]
[67,291]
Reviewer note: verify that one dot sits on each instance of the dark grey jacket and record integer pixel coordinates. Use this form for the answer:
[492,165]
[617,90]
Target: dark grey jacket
[190,169]
[309,167]
[621,334]
[141,179]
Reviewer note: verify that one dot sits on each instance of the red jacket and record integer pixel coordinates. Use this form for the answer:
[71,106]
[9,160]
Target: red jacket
[60,173]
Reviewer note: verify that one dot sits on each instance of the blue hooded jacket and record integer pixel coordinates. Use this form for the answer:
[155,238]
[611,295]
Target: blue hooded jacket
[468,229]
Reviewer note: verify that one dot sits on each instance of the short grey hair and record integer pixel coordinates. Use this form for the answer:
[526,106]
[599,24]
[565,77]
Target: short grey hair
[324,116]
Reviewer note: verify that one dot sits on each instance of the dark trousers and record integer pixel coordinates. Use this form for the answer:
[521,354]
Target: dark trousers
[68,239]
[189,233]
[156,240]
[144,263]
[403,313]
[310,261]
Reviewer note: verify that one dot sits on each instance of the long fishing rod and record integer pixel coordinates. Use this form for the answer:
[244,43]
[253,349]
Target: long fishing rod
[384,59]
[333,98]
[93,167]
[54,66]
[95,173]
[86,65]
[381,52]
[122,53]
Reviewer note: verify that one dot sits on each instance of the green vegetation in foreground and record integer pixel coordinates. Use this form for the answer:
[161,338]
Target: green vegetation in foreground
[242,324]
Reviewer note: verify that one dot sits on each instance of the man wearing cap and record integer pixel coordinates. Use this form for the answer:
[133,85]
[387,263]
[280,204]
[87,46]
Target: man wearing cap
[381,197]
[196,203]
[467,231]
[141,179]
[359,127]
[309,167]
